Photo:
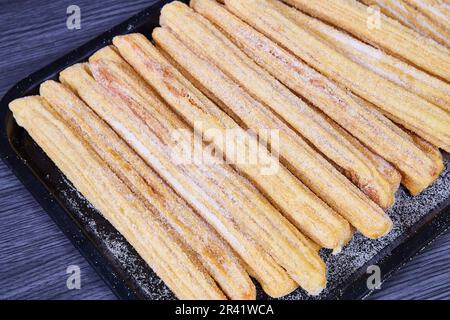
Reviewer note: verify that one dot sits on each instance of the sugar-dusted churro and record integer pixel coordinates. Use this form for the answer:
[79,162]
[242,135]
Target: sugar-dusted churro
[304,209]
[387,33]
[157,243]
[437,10]
[202,38]
[291,244]
[412,18]
[216,256]
[416,114]
[410,78]
[295,153]
[257,171]
[132,86]
[241,215]
[392,175]
[337,103]
[110,53]
[282,64]
[412,182]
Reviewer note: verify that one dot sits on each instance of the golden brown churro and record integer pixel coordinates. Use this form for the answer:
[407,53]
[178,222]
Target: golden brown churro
[417,181]
[412,18]
[202,38]
[208,113]
[155,242]
[416,114]
[300,205]
[251,135]
[355,17]
[223,198]
[300,158]
[410,78]
[292,243]
[216,256]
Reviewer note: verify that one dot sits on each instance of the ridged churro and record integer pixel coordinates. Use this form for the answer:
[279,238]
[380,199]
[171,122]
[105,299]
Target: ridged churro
[416,114]
[157,244]
[410,78]
[299,204]
[281,64]
[211,113]
[388,34]
[238,212]
[202,38]
[389,172]
[337,103]
[309,262]
[247,135]
[413,18]
[216,256]
[295,153]
[437,10]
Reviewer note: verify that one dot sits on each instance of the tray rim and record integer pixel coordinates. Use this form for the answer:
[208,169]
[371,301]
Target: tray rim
[390,259]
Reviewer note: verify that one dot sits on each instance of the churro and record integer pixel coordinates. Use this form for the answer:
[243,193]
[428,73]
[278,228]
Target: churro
[295,153]
[201,37]
[338,104]
[416,114]
[224,199]
[413,18]
[157,244]
[216,256]
[208,114]
[131,86]
[408,77]
[380,30]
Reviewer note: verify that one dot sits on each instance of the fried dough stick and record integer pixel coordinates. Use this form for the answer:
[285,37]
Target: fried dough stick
[205,40]
[431,151]
[216,256]
[406,76]
[413,18]
[154,241]
[110,53]
[437,10]
[354,17]
[241,215]
[300,205]
[416,114]
[303,161]
[306,260]
[263,51]
[364,123]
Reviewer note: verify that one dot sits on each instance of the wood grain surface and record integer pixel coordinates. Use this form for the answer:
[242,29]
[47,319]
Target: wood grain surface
[34,254]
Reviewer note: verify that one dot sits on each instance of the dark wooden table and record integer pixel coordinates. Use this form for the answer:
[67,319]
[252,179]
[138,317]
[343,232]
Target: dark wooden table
[34,254]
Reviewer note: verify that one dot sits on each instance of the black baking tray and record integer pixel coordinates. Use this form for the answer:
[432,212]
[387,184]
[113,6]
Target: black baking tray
[122,268]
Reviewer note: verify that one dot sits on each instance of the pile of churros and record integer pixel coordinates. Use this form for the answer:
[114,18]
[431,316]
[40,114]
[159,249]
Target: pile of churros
[358,108]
